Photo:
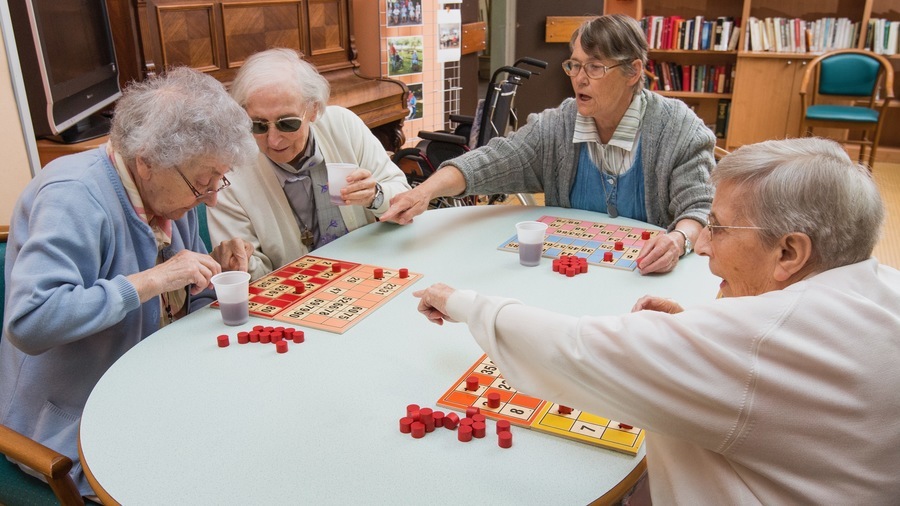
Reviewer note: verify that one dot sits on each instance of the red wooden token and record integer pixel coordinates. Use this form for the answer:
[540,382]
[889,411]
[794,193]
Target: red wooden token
[406,425]
[466,421]
[619,246]
[645,235]
[451,421]
[379,273]
[281,347]
[254,336]
[503,426]
[277,336]
[607,256]
[479,429]
[265,337]
[426,416]
[625,426]
[472,383]
[299,336]
[493,400]
[472,410]
[438,417]
[504,439]
[404,273]
[417,429]
[565,410]
[243,337]
[258,328]
[478,417]
[336,267]
[464,433]
[222,340]
[411,408]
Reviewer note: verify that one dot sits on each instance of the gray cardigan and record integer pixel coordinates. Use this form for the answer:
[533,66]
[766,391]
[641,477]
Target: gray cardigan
[676,149]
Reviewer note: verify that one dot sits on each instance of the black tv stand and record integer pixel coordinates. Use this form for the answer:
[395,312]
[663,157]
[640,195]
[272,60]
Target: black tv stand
[95,125]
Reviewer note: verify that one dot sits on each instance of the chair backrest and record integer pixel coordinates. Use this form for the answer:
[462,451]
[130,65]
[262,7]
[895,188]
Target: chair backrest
[496,110]
[204,226]
[849,74]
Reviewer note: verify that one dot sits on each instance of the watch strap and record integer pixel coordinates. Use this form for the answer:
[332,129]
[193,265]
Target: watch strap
[688,247]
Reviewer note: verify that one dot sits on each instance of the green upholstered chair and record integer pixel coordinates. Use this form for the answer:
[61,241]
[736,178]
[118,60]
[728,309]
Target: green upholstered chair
[848,89]
[204,226]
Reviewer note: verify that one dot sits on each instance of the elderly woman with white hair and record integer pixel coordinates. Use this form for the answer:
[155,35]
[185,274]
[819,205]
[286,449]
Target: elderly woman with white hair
[281,204]
[104,249]
[783,391]
[614,148]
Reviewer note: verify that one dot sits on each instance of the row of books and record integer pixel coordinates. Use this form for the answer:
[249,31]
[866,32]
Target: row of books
[882,35]
[784,35]
[697,78]
[675,32]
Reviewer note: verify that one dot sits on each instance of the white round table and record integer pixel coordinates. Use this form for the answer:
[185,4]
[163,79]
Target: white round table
[179,420]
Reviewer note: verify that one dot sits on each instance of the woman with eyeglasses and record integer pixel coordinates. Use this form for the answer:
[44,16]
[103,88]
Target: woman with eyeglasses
[280,204]
[614,148]
[104,249]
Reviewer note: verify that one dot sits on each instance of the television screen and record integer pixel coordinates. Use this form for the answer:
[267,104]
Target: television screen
[68,64]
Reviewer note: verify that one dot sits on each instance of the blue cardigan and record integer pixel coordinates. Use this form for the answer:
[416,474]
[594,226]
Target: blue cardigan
[70,311]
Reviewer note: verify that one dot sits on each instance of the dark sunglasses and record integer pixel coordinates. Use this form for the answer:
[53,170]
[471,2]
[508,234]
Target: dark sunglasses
[287,125]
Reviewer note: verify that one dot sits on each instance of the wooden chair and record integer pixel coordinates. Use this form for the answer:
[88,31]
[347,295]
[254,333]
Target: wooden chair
[851,90]
[19,487]
[720,153]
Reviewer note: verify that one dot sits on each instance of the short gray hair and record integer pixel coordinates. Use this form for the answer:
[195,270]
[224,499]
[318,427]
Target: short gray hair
[286,70]
[807,185]
[178,118]
[614,36]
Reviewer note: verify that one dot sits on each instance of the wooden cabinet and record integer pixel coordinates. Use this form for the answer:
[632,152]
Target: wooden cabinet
[766,102]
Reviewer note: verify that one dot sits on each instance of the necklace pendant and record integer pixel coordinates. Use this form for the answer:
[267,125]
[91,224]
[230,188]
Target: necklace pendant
[611,210]
[306,237]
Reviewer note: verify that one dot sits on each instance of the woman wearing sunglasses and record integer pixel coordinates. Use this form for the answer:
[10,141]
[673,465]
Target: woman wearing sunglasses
[281,204]
[613,148]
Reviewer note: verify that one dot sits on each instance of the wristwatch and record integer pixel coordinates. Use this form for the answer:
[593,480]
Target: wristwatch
[688,246]
[379,197]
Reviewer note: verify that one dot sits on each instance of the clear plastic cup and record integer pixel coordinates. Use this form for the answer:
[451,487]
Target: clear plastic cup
[530,235]
[233,292]
[337,179]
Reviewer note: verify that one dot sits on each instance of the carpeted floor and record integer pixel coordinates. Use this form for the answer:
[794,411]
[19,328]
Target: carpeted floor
[887,175]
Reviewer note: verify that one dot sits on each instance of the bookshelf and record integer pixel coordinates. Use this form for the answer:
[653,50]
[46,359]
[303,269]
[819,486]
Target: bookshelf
[765,100]
[706,103]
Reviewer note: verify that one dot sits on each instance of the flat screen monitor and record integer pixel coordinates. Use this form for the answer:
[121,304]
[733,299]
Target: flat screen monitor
[68,65]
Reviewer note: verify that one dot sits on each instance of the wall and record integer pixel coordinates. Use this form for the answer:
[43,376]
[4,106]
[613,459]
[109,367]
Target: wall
[552,86]
[15,171]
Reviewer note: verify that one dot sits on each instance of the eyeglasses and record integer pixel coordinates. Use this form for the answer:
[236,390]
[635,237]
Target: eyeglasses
[712,228]
[286,125]
[197,194]
[593,70]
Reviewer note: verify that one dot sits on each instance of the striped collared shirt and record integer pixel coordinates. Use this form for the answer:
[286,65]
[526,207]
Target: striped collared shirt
[617,156]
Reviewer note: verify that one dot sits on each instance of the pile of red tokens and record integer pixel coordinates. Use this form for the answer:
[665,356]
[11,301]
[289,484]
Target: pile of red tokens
[279,336]
[570,265]
[420,421]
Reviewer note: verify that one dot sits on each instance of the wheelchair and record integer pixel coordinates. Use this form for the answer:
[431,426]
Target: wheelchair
[495,116]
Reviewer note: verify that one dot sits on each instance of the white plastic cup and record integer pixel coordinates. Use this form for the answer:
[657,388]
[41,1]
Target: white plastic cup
[530,235]
[337,179]
[233,292]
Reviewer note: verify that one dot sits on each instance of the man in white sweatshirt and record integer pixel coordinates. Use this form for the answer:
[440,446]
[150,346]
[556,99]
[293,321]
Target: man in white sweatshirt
[784,391]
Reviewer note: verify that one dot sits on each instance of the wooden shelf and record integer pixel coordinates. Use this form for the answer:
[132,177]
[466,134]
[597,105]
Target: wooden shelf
[691,94]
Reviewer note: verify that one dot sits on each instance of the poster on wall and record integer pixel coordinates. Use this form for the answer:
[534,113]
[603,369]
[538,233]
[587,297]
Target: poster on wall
[403,12]
[405,55]
[414,101]
[449,35]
